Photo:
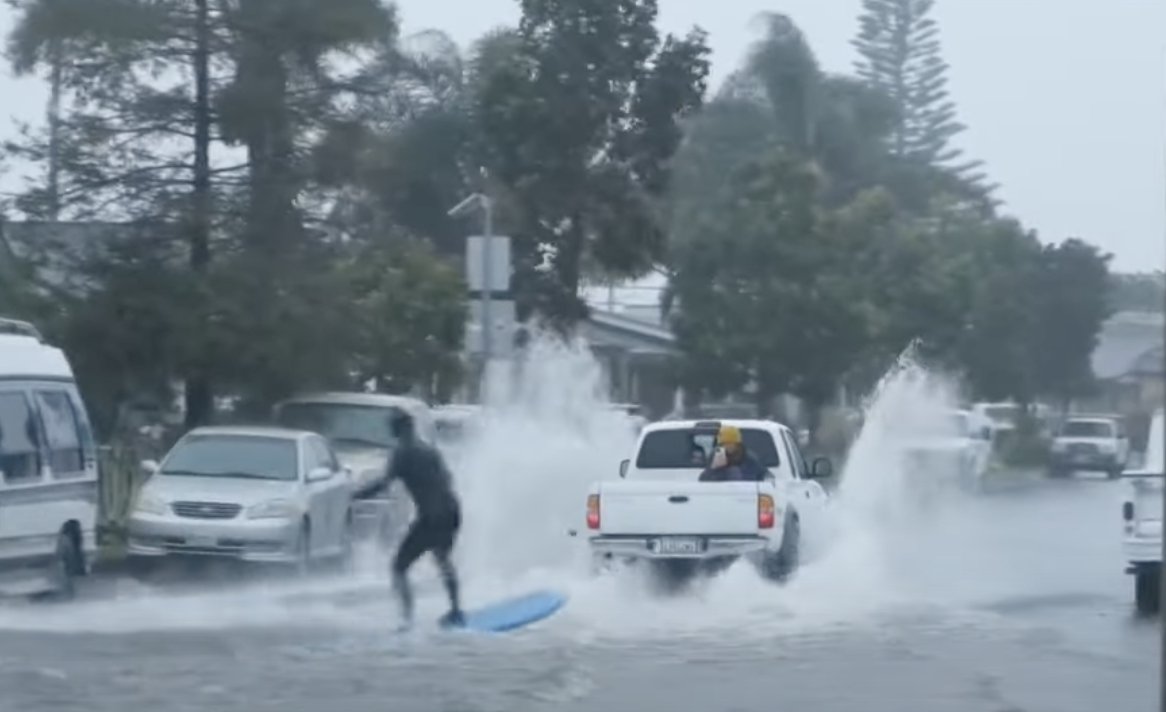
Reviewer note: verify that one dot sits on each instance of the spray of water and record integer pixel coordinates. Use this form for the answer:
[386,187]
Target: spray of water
[546,435]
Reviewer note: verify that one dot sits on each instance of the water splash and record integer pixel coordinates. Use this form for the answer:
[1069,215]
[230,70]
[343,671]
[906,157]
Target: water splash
[546,435]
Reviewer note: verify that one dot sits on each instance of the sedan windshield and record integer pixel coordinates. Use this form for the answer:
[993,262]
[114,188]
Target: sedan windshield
[1087,429]
[341,423]
[238,456]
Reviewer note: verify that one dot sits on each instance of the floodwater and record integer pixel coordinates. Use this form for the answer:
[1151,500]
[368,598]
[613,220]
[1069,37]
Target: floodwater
[1013,601]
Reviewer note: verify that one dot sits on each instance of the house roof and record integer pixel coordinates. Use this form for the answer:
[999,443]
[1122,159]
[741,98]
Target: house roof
[605,329]
[1129,344]
[57,251]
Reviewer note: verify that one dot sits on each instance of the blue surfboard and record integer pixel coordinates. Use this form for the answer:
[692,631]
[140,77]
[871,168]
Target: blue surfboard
[514,613]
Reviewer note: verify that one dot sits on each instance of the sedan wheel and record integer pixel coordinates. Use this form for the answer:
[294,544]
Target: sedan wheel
[304,550]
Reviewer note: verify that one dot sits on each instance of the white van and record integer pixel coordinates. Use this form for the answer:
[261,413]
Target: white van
[48,468]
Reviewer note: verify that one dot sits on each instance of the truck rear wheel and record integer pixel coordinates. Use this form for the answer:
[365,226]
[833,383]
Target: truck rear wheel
[782,564]
[1147,590]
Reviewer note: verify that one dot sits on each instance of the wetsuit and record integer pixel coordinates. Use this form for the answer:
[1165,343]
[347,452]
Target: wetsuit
[427,479]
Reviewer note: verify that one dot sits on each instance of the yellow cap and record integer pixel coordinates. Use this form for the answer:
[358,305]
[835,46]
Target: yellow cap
[728,435]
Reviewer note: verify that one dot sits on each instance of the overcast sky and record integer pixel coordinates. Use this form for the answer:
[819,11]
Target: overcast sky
[1065,99]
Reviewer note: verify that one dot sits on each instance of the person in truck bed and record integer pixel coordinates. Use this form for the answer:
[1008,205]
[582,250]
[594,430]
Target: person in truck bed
[732,462]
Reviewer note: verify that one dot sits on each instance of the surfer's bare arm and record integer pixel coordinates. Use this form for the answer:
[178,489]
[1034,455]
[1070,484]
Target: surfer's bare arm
[392,472]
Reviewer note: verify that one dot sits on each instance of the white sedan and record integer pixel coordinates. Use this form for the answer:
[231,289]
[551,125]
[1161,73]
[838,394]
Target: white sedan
[254,494]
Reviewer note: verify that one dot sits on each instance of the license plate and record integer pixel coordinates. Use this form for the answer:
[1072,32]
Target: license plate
[203,542]
[678,545]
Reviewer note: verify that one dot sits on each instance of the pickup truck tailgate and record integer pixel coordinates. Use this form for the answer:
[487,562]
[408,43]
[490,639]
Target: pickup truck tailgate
[633,507]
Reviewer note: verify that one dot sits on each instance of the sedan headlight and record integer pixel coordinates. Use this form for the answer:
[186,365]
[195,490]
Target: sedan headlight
[150,504]
[1107,447]
[1060,446]
[274,509]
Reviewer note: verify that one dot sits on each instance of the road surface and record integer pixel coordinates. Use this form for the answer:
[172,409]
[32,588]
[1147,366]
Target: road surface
[1010,603]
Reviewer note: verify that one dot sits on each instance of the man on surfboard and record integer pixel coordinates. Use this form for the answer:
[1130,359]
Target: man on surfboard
[423,472]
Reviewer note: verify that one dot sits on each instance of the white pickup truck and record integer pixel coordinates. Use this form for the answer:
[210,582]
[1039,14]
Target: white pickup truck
[659,510]
[1141,513]
[953,449]
[1092,443]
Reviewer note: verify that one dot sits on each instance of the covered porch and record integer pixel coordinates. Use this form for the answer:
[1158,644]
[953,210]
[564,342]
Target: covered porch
[636,357]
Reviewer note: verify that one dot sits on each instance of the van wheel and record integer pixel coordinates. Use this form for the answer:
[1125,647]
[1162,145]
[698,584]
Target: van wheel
[65,567]
[780,565]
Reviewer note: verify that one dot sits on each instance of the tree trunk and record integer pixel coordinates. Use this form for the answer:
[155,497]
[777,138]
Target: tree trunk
[199,393]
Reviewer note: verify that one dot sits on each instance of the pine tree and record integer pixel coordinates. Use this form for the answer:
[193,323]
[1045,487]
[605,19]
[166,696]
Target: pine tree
[900,54]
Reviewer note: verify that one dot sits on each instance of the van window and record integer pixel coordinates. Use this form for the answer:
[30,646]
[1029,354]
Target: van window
[66,457]
[19,454]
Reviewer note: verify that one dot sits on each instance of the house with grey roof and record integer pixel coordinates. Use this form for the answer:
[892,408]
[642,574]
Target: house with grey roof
[56,254]
[1128,362]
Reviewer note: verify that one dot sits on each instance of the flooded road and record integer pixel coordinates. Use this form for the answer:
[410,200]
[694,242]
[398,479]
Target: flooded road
[1006,603]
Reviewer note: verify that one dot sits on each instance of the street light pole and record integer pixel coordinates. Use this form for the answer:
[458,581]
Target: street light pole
[487,206]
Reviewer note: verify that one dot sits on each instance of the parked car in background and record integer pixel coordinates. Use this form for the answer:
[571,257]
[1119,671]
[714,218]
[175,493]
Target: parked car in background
[953,453]
[634,414]
[456,422]
[48,468]
[260,494]
[357,426]
[1091,444]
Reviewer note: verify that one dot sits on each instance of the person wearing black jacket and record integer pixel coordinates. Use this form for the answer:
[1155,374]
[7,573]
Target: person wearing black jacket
[426,477]
[737,464]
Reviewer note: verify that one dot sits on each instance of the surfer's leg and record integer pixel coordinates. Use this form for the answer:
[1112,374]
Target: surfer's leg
[443,542]
[411,549]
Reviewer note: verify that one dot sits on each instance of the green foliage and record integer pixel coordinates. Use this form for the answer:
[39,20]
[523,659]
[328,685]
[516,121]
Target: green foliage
[778,273]
[1141,291]
[579,127]
[282,172]
[817,232]
[900,55]
[234,290]
[1070,302]
[408,316]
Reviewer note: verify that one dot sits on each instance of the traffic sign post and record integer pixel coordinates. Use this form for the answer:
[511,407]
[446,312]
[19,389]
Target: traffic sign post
[488,271]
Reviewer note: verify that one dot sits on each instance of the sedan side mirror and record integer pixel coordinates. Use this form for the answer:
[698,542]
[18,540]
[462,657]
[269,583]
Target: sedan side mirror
[320,474]
[821,468]
[149,467]
[623,467]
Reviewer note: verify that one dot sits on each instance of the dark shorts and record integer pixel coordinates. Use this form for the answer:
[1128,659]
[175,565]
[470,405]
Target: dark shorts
[429,533]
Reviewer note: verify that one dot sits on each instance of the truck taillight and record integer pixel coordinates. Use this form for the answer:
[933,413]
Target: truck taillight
[1127,511]
[593,511]
[765,512]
